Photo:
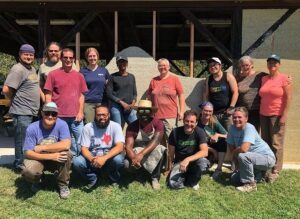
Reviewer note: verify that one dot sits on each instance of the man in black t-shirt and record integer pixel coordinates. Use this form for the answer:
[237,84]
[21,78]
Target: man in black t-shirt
[188,144]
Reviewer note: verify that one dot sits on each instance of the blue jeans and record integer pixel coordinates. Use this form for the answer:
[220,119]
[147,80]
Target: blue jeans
[251,166]
[20,125]
[75,128]
[112,166]
[119,115]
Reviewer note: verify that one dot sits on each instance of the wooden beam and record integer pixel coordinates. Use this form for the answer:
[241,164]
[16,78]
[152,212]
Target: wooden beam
[77,47]
[14,33]
[154,35]
[107,30]
[116,40]
[192,48]
[43,28]
[177,68]
[269,32]
[133,29]
[236,37]
[81,25]
[207,34]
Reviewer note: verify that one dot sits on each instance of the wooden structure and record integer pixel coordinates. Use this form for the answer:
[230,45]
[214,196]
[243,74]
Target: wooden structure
[177,30]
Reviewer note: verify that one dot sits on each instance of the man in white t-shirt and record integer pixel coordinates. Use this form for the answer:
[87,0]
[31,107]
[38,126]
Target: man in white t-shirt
[102,144]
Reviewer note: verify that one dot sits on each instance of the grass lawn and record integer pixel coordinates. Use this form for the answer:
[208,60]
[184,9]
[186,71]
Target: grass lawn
[136,199]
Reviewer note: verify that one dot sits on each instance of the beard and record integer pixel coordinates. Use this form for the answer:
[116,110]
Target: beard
[102,125]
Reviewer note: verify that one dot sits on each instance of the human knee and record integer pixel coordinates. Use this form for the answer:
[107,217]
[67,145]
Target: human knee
[79,163]
[118,161]
[31,175]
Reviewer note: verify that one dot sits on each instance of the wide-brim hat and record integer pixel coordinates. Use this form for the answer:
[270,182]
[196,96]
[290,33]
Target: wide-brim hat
[146,104]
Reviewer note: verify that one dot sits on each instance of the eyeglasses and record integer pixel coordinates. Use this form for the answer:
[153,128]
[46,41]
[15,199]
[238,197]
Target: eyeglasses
[48,113]
[102,115]
[53,51]
[144,111]
[68,58]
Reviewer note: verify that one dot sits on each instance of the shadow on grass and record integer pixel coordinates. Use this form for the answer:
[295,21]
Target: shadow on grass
[127,178]
[224,179]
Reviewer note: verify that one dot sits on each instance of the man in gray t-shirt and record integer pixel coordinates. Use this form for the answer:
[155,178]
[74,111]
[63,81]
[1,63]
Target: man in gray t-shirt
[102,144]
[22,87]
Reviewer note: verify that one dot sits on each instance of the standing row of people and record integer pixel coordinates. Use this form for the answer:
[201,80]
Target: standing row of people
[79,95]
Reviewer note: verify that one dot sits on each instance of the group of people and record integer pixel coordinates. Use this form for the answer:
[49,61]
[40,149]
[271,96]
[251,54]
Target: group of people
[83,113]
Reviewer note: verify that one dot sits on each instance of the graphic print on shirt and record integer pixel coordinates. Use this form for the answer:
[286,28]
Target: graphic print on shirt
[100,145]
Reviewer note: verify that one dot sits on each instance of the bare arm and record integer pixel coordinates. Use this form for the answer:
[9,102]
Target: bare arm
[155,141]
[129,143]
[203,152]
[171,155]
[79,116]
[42,95]
[62,145]
[157,137]
[48,96]
[288,95]
[8,91]
[57,156]
[86,153]
[181,105]
[242,149]
[234,89]
[100,161]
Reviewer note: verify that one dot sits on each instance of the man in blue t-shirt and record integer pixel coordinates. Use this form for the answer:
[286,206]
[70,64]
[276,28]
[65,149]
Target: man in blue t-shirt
[46,147]
[102,144]
[251,154]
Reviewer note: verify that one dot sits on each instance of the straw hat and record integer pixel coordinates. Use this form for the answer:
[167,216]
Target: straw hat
[146,104]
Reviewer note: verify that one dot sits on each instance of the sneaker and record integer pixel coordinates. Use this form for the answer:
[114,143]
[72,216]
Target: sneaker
[91,185]
[248,187]
[272,177]
[216,174]
[155,184]
[64,192]
[196,187]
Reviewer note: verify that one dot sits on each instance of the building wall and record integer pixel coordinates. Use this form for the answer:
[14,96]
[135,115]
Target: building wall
[285,42]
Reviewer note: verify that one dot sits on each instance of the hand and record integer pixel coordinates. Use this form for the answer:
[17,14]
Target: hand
[183,165]
[229,111]
[125,106]
[180,116]
[214,138]
[136,161]
[38,149]
[99,161]
[79,117]
[60,157]
[282,120]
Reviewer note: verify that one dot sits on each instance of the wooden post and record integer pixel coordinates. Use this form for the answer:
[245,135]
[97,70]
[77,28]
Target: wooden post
[116,32]
[77,43]
[154,35]
[192,44]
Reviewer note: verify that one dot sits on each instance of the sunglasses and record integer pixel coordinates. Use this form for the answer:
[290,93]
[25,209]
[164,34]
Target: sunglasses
[144,111]
[53,114]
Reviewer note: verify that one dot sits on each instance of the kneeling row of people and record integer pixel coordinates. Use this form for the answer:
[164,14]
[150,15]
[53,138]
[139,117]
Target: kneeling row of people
[48,141]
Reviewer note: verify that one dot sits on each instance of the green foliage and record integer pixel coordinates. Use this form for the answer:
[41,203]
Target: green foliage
[200,68]
[137,200]
[6,62]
